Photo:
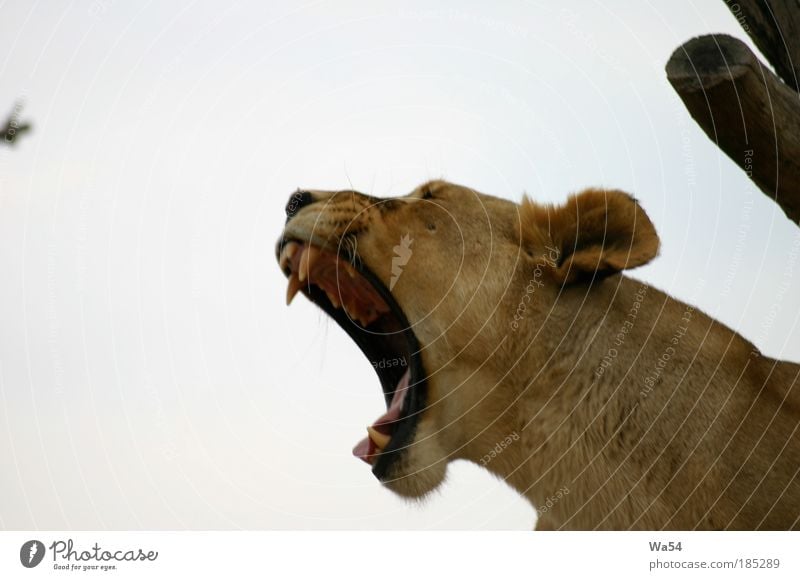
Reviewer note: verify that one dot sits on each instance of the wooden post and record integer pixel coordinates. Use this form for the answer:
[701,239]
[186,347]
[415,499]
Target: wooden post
[774,27]
[746,110]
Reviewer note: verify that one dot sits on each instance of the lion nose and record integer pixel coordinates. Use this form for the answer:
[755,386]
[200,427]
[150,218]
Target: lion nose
[297,201]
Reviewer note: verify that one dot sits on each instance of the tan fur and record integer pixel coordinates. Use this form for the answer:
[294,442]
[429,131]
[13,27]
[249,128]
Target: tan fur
[619,406]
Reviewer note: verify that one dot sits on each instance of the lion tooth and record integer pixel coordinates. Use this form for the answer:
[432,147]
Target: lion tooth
[302,270]
[291,249]
[285,257]
[310,257]
[379,439]
[354,313]
[332,297]
[294,286]
[287,252]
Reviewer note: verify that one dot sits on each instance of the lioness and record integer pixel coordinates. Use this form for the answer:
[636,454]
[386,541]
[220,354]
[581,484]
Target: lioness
[516,343]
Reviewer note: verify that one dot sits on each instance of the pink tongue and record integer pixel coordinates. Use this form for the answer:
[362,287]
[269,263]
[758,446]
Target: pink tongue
[365,449]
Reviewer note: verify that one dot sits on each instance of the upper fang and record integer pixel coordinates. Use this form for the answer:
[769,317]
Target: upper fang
[294,286]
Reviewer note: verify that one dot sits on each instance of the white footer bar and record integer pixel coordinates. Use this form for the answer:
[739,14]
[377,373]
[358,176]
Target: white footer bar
[389,555]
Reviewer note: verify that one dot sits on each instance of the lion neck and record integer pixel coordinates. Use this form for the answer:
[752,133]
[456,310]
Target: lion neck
[545,402]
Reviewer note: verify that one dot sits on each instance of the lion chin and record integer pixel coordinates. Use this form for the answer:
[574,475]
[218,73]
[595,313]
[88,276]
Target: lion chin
[420,469]
[506,334]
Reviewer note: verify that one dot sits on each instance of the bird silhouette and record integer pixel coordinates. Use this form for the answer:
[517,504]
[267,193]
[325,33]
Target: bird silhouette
[13,128]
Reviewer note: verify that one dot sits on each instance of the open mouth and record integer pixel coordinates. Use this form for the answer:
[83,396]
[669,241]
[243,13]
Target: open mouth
[360,303]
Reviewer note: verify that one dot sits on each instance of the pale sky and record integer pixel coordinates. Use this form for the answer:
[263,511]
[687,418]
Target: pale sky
[150,374]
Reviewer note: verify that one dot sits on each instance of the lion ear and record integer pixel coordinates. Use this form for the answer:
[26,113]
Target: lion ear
[596,233]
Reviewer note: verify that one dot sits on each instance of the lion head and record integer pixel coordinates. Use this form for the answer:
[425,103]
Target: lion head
[450,294]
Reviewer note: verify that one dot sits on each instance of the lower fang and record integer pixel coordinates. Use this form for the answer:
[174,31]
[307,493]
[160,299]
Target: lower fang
[381,440]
